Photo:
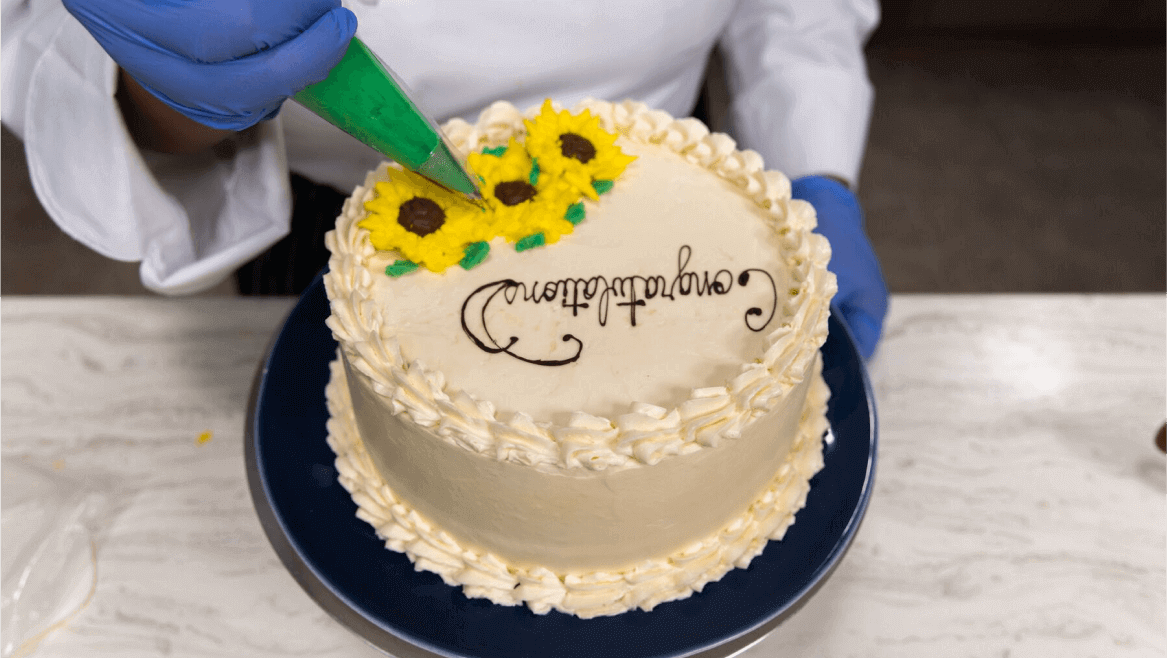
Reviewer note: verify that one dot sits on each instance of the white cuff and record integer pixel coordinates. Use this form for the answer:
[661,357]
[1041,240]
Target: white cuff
[190,220]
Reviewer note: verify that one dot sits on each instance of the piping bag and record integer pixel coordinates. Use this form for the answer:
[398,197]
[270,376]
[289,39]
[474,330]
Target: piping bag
[363,97]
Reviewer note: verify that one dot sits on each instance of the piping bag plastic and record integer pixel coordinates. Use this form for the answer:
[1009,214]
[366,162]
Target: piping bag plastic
[50,525]
[363,97]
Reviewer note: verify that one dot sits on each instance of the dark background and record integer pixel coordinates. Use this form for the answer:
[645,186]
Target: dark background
[1015,147]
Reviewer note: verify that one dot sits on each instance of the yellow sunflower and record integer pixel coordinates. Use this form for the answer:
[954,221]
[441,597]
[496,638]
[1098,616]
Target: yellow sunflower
[426,223]
[574,147]
[524,201]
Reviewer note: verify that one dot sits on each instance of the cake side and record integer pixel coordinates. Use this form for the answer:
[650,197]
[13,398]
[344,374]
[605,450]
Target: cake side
[574,521]
[643,585]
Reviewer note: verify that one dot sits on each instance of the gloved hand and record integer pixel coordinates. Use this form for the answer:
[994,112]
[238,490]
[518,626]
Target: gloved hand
[862,296]
[224,63]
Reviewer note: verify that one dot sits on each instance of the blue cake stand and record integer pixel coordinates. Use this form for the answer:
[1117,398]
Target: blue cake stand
[311,522]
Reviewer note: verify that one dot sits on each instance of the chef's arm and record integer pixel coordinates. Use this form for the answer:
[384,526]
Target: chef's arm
[156,126]
[797,81]
[800,96]
[225,64]
[189,219]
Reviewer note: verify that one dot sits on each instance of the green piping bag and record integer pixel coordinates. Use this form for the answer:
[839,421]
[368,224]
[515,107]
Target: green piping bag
[362,97]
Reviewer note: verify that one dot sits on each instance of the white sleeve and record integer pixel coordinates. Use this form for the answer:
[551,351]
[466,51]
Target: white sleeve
[190,220]
[798,85]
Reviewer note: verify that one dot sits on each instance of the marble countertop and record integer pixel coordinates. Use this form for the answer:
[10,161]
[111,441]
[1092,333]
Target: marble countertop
[1019,504]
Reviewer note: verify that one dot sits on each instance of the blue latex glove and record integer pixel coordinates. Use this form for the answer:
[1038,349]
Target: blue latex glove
[862,296]
[224,63]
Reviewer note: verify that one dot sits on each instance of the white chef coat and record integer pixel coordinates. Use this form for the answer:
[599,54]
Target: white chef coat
[799,95]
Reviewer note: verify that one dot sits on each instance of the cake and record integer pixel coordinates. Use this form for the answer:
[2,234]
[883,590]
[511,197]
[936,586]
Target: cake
[591,406]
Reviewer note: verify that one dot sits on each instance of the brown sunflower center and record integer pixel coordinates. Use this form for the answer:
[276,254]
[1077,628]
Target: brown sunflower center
[574,146]
[421,216]
[514,192]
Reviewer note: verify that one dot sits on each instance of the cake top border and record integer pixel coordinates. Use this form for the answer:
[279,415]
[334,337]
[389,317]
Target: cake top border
[648,433]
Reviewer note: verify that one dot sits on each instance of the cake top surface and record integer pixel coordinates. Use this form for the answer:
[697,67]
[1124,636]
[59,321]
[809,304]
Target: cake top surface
[646,291]
[690,296]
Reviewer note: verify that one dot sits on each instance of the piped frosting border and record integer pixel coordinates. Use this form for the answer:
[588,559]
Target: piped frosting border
[648,433]
[592,594]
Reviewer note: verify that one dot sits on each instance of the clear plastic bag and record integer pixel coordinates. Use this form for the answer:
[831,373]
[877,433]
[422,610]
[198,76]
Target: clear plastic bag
[48,561]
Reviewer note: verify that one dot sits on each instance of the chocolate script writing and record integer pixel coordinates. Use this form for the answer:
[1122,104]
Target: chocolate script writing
[598,294]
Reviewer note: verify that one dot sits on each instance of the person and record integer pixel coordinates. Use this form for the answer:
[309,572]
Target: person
[159,132]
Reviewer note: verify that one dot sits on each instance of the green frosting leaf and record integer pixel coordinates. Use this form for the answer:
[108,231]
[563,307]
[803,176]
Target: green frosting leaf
[575,213]
[400,268]
[475,253]
[495,151]
[602,186]
[534,177]
[530,242]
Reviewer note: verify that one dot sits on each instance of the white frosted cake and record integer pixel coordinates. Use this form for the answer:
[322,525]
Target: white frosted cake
[596,404]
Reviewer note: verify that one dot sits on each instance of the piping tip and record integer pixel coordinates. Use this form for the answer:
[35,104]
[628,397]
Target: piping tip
[448,170]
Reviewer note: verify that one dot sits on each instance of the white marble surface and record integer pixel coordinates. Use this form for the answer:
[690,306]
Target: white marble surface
[1019,505]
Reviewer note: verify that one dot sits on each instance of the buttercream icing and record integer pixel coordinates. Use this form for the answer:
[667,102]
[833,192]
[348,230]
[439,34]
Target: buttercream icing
[547,427]
[643,584]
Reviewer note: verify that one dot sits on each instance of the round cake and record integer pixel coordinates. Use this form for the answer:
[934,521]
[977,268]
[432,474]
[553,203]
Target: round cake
[598,390]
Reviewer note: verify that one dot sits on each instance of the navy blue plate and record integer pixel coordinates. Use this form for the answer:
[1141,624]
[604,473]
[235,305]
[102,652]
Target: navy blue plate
[311,522]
